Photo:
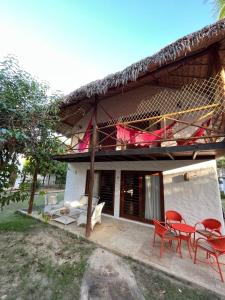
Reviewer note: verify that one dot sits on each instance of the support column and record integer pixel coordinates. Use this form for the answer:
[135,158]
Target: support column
[92,168]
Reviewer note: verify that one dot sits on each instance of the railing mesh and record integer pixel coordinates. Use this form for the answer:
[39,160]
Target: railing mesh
[198,106]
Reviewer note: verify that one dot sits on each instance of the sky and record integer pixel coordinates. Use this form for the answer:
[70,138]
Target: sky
[69,43]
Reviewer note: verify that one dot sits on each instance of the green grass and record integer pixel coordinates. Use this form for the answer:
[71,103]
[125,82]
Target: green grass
[38,261]
[12,221]
[223,203]
[16,222]
[9,221]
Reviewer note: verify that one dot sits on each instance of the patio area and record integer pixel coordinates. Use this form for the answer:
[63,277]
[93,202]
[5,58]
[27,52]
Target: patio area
[135,240]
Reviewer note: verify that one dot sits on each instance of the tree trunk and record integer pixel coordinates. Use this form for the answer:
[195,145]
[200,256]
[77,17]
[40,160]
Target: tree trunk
[92,169]
[43,182]
[24,178]
[49,176]
[33,189]
[12,178]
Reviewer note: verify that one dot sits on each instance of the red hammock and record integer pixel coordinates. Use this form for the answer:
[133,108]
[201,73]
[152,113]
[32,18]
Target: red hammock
[84,143]
[132,136]
[195,136]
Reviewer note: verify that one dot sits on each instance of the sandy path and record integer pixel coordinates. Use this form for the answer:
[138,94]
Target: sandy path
[108,277]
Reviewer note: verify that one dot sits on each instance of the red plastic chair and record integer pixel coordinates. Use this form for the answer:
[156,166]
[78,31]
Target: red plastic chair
[165,234]
[211,228]
[172,216]
[213,247]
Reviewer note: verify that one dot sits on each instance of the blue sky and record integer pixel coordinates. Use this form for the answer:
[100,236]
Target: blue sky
[71,42]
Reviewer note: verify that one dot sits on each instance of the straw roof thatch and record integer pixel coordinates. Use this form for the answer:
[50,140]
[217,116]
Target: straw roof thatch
[181,48]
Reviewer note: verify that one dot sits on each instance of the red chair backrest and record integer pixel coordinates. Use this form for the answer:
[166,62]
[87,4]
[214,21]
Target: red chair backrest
[159,228]
[172,215]
[212,224]
[218,243]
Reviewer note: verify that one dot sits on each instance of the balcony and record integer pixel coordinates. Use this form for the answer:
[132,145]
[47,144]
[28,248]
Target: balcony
[186,123]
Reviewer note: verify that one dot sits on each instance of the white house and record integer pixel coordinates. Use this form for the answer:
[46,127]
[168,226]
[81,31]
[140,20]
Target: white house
[152,133]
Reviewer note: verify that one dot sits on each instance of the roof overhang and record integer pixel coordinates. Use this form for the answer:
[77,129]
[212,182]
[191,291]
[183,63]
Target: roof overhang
[177,64]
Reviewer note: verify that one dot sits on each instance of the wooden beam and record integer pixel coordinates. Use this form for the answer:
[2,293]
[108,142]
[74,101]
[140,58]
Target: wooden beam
[151,157]
[134,157]
[170,156]
[187,76]
[197,64]
[92,170]
[206,151]
[195,153]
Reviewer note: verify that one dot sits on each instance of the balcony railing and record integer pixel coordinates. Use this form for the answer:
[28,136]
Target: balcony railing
[194,114]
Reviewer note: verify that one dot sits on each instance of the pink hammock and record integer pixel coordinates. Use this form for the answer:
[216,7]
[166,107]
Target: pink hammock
[132,136]
[197,134]
[84,143]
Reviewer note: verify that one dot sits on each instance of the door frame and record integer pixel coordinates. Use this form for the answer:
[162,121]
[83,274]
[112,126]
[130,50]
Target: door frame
[142,202]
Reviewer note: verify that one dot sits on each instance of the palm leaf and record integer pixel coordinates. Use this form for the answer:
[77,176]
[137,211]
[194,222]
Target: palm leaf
[218,8]
[222,12]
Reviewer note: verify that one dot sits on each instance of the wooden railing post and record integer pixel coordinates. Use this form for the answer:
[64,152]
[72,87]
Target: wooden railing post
[164,125]
[92,169]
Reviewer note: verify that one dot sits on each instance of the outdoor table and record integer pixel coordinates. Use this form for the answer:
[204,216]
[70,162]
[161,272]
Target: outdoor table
[66,220]
[188,230]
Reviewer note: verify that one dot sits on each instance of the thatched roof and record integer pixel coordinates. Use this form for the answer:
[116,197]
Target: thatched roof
[181,48]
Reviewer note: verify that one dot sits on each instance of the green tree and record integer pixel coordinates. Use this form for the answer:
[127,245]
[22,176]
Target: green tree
[28,121]
[43,144]
[14,89]
[28,169]
[221,163]
[47,165]
[60,172]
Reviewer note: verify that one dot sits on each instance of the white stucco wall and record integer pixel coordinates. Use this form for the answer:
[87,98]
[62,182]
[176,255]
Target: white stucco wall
[75,182]
[195,199]
[198,198]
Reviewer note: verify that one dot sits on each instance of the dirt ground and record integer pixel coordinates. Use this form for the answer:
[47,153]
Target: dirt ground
[39,261]
[42,263]
[110,277]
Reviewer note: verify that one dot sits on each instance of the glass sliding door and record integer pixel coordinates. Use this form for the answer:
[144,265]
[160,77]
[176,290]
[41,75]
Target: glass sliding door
[141,196]
[104,185]
[96,184]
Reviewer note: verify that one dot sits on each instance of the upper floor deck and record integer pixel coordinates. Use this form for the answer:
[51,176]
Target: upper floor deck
[152,119]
